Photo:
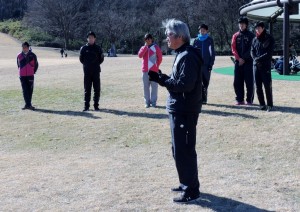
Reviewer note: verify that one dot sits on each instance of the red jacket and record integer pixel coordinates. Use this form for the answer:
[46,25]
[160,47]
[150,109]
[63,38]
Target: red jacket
[27,64]
[152,57]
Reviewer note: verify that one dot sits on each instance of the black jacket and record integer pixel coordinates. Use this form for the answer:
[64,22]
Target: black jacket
[241,44]
[262,50]
[185,82]
[91,56]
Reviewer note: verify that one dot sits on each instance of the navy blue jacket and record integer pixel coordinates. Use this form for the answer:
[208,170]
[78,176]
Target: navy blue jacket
[207,50]
[185,82]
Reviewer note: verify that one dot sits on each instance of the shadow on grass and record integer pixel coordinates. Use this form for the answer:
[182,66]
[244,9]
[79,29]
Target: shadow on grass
[283,109]
[223,113]
[221,204]
[135,114]
[67,113]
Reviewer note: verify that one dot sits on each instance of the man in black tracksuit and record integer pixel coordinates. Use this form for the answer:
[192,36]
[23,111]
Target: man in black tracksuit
[243,69]
[184,105]
[261,52]
[91,56]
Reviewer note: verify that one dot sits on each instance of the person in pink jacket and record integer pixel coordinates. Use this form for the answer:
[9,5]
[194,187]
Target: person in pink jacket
[27,65]
[152,58]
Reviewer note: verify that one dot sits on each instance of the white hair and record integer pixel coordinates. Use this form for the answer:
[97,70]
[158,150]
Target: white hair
[179,28]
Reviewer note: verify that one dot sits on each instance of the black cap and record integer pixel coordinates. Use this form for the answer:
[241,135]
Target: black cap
[243,20]
[91,33]
[260,24]
[204,26]
[25,44]
[148,36]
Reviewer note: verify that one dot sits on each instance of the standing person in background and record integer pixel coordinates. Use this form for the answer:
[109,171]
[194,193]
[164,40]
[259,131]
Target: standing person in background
[206,45]
[152,58]
[261,51]
[243,68]
[184,105]
[91,56]
[62,52]
[28,65]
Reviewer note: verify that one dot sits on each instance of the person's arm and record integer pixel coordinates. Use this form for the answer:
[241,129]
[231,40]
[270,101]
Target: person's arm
[81,56]
[212,53]
[18,62]
[36,63]
[233,46]
[101,56]
[188,74]
[142,51]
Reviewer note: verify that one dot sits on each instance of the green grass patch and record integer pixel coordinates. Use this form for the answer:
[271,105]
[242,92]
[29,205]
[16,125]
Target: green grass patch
[275,75]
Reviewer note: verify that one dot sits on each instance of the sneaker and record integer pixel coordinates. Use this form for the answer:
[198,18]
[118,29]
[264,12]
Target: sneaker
[204,102]
[263,107]
[269,108]
[147,105]
[97,108]
[25,107]
[177,189]
[31,108]
[249,103]
[186,198]
[85,109]
[153,104]
[240,103]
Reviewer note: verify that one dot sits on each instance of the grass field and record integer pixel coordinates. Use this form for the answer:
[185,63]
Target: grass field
[58,158]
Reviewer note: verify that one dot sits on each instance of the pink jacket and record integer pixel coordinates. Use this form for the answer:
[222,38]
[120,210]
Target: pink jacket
[152,57]
[27,64]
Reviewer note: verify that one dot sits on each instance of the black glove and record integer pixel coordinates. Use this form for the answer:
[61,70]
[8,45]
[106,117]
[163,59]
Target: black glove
[153,76]
[159,77]
[162,79]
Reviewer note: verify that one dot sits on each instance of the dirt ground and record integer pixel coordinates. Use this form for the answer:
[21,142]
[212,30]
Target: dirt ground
[58,158]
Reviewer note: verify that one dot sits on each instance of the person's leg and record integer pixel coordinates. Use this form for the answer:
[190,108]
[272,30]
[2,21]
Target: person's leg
[205,82]
[87,90]
[249,80]
[31,85]
[146,84]
[238,83]
[259,90]
[183,130]
[267,81]
[154,91]
[25,90]
[97,89]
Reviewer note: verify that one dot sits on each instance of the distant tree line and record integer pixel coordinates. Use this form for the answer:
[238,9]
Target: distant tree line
[121,24]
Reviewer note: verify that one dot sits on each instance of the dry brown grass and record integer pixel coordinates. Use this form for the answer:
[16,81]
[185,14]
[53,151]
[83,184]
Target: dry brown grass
[60,159]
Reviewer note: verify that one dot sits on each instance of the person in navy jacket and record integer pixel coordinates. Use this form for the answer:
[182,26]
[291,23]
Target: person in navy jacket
[206,46]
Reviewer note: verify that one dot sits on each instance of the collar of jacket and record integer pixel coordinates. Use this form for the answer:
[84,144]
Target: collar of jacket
[181,48]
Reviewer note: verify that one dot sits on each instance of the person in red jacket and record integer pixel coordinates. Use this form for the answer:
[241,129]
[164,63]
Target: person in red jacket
[152,58]
[27,65]
[243,68]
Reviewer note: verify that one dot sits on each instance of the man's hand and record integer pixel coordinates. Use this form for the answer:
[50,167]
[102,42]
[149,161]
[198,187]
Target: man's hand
[159,77]
[241,62]
[153,76]
[209,68]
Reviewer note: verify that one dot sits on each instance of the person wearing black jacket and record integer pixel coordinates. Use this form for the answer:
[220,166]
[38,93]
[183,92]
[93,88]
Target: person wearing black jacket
[91,56]
[184,105]
[243,68]
[261,51]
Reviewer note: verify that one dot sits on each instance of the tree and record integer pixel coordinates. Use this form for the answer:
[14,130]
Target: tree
[62,18]
[12,9]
